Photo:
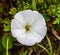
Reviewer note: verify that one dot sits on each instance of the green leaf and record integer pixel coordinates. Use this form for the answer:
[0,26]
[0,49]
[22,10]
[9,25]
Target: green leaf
[43,48]
[4,40]
[58,15]
[13,11]
[58,8]
[48,1]
[56,27]
[47,19]
[23,53]
[50,46]
[27,6]
[59,48]
[34,5]
[52,10]
[1,9]
[6,23]
[40,1]
[1,47]
[43,6]
[4,53]
[56,21]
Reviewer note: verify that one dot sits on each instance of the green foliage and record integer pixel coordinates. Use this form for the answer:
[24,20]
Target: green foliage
[59,48]
[26,5]
[43,48]
[6,24]
[56,27]
[1,9]
[55,11]
[23,53]
[5,53]
[4,40]
[56,21]
[13,11]
[50,46]
[48,1]
[34,5]
[40,1]
[52,10]
[43,6]
[56,1]
[35,48]
[1,47]
[46,17]
[21,6]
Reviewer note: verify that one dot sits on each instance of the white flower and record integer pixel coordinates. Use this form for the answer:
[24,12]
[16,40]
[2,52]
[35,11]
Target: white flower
[28,27]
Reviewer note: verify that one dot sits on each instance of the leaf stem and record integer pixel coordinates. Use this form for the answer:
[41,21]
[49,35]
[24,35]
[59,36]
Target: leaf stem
[43,48]
[33,4]
[7,46]
[50,46]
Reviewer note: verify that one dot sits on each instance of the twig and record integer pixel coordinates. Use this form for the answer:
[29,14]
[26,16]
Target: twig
[54,32]
[31,50]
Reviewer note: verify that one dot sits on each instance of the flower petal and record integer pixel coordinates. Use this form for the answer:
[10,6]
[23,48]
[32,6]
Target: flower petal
[15,24]
[41,30]
[35,18]
[27,14]
[20,18]
[37,37]
[18,32]
[26,39]
[40,17]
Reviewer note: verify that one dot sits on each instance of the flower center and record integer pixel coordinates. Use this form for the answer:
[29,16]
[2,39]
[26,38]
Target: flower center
[27,27]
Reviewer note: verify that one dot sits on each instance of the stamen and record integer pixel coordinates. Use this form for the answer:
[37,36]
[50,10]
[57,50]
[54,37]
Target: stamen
[27,27]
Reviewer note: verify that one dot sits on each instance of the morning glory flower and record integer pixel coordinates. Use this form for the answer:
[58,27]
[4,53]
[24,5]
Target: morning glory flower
[28,27]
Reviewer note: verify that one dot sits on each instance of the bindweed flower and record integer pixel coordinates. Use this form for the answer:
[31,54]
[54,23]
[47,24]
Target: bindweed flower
[28,27]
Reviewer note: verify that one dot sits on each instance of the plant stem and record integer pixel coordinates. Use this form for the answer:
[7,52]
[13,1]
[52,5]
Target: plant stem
[50,46]
[33,4]
[7,46]
[43,48]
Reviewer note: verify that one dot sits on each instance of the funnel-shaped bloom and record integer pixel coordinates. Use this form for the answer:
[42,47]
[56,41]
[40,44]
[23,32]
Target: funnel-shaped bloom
[28,27]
